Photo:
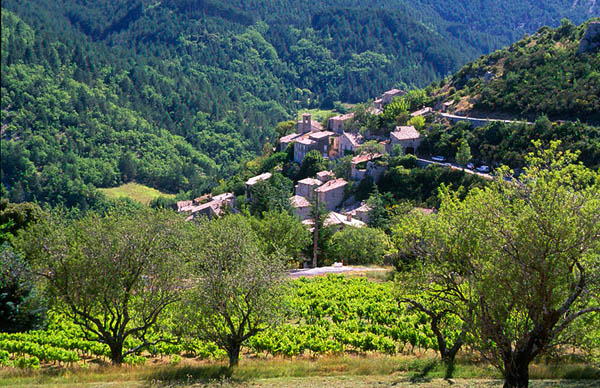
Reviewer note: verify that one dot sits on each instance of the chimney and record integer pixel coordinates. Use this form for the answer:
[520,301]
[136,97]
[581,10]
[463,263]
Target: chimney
[349,217]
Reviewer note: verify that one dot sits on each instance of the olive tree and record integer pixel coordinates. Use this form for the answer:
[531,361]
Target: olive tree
[113,275]
[236,288]
[519,260]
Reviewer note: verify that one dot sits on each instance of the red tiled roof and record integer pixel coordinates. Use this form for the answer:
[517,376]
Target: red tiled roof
[365,158]
[332,185]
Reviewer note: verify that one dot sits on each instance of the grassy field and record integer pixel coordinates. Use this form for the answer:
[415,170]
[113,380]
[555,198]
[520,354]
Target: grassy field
[135,191]
[332,371]
[316,114]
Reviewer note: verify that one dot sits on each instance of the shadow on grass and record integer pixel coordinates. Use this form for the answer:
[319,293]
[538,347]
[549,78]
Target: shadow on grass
[191,374]
[422,376]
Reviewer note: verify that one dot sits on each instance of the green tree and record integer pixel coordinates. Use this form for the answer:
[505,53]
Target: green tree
[128,166]
[271,194]
[517,260]
[22,306]
[371,148]
[359,246]
[283,234]
[312,163]
[463,155]
[378,216]
[285,128]
[114,275]
[418,122]
[238,287]
[15,217]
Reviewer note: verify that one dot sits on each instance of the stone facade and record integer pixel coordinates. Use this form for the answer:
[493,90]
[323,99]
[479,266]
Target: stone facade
[407,137]
[338,123]
[366,165]
[349,143]
[213,208]
[307,125]
[306,187]
[319,141]
[331,194]
[325,176]
[301,206]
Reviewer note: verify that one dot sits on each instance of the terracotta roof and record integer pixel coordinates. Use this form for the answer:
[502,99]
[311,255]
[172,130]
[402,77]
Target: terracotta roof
[334,218]
[184,205]
[305,141]
[363,208]
[405,133]
[320,134]
[365,158]
[325,173]
[288,138]
[298,201]
[332,185]
[355,138]
[310,182]
[258,178]
[224,196]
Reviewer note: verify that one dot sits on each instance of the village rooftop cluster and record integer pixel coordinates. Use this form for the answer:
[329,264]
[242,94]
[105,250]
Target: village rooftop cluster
[333,142]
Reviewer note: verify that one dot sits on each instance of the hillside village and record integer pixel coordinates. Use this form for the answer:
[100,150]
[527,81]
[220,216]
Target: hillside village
[335,141]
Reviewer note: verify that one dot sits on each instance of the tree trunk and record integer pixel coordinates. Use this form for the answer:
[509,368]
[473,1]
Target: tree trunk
[233,352]
[516,373]
[116,353]
[448,357]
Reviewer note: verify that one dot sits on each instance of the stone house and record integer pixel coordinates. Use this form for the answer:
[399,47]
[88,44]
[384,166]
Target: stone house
[366,165]
[304,126]
[308,125]
[319,141]
[407,137]
[285,141]
[340,221]
[339,122]
[332,193]
[306,187]
[387,97]
[215,207]
[325,176]
[349,143]
[301,206]
[361,213]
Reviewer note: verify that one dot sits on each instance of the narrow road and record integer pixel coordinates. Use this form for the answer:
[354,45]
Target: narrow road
[456,167]
[480,120]
[310,272]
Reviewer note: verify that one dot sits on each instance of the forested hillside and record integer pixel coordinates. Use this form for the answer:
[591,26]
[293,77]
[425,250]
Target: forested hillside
[545,73]
[177,94]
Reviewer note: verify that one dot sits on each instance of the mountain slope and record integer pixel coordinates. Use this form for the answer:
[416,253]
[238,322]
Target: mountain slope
[177,94]
[541,74]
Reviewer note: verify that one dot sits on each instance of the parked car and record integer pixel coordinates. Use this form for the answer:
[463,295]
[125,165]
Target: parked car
[483,169]
[470,166]
[438,158]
